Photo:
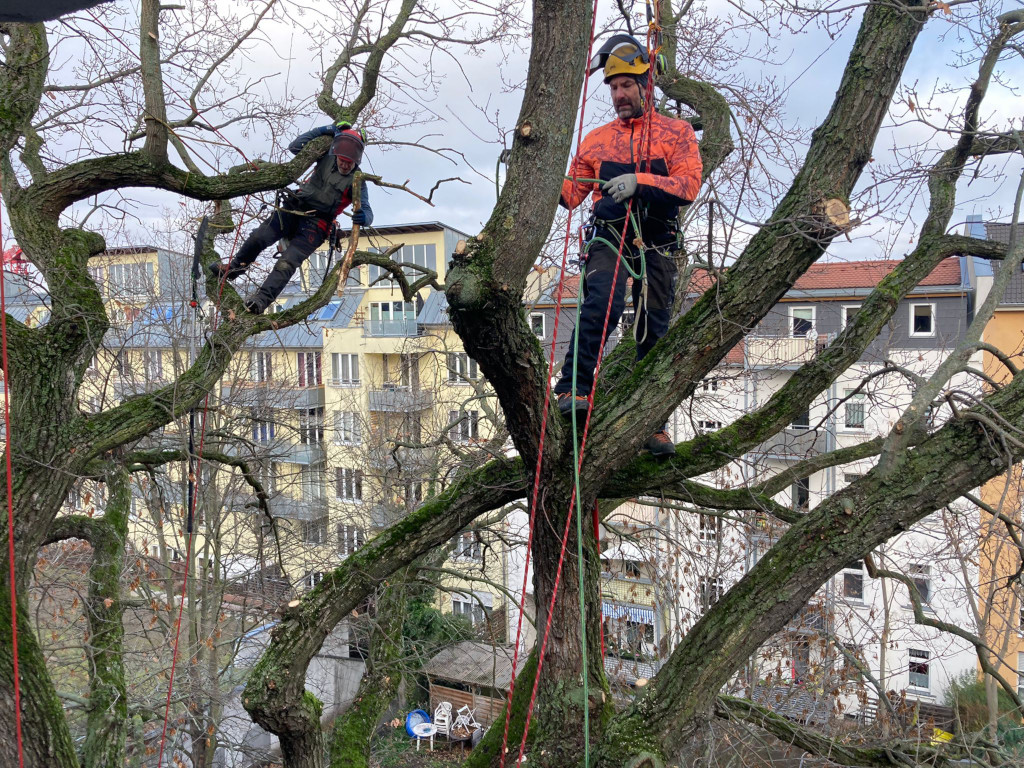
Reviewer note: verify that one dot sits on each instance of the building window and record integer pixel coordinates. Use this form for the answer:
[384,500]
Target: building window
[922,319]
[465,426]
[1020,674]
[461,368]
[849,313]
[921,576]
[475,608]
[311,426]
[413,493]
[853,581]
[262,427]
[315,531]
[853,409]
[468,547]
[704,426]
[851,477]
[348,428]
[711,591]
[311,479]
[420,255]
[537,324]
[350,538]
[392,318]
[708,527]
[313,578]
[260,366]
[348,484]
[801,321]
[309,369]
[919,669]
[709,385]
[802,420]
[344,370]
[153,364]
[129,280]
[802,493]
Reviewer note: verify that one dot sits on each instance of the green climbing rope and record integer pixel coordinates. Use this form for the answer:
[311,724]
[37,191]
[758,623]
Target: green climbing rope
[639,275]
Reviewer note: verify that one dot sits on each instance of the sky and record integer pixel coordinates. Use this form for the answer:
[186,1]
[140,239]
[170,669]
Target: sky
[469,102]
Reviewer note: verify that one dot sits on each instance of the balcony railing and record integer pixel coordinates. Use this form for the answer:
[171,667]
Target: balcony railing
[388,457]
[408,327]
[400,400]
[300,453]
[279,394]
[782,351]
[298,509]
[794,444]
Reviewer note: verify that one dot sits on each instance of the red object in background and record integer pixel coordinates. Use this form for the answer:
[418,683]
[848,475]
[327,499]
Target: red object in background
[14,261]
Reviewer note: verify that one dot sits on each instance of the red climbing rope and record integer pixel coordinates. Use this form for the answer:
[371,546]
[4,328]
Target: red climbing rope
[543,426]
[10,514]
[645,146]
[190,513]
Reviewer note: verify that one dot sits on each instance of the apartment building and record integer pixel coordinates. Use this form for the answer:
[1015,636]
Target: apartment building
[681,559]
[999,584]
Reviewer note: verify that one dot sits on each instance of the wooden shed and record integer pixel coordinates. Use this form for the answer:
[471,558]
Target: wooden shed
[475,674]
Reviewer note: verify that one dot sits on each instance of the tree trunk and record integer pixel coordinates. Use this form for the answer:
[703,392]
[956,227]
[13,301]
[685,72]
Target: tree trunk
[107,720]
[355,727]
[557,727]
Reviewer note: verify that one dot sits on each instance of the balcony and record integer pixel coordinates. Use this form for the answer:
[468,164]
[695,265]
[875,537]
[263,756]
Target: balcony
[384,457]
[782,351]
[299,453]
[383,328]
[793,444]
[400,400]
[279,394]
[298,509]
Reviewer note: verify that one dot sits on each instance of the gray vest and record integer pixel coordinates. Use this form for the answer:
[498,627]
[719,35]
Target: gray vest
[325,188]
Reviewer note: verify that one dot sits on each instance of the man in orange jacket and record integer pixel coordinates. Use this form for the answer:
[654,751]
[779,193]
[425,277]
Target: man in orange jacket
[651,170]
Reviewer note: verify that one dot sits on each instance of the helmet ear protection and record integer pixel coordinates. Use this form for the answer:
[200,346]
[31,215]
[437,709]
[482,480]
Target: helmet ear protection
[625,55]
[345,125]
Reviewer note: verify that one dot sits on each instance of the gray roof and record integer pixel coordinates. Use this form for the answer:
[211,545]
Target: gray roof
[476,664]
[419,226]
[337,313]
[435,310]
[1000,231]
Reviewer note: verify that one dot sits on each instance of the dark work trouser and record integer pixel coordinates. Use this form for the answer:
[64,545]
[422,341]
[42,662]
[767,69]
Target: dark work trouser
[652,310]
[304,233]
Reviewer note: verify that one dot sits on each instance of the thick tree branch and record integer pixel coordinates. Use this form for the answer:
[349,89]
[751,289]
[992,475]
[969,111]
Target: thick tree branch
[890,755]
[275,695]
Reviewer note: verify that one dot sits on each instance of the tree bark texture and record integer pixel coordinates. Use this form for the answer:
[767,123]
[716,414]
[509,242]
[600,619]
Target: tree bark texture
[355,728]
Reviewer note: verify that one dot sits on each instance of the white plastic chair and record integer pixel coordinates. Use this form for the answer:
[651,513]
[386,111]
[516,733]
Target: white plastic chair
[443,718]
[467,719]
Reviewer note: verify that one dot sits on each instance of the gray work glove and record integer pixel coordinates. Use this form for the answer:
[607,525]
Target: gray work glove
[621,187]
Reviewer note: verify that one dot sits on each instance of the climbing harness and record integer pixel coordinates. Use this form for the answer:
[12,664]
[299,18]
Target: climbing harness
[579,446]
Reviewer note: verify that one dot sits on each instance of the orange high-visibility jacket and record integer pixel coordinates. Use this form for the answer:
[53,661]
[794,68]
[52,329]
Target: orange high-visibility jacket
[667,176]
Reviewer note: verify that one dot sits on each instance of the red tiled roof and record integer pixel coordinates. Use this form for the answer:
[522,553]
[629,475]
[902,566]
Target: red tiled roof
[867,274]
[825,276]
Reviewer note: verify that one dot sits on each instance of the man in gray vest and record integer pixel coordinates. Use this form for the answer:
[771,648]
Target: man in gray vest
[305,217]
